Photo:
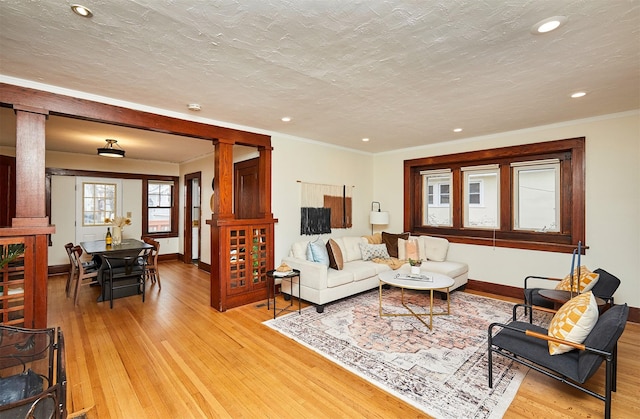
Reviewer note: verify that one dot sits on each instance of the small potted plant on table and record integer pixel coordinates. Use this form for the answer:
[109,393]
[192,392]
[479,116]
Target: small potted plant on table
[415,265]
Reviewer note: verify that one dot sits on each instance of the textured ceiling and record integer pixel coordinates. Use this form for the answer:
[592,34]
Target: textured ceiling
[400,72]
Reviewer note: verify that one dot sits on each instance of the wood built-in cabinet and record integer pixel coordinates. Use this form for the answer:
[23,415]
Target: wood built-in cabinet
[245,249]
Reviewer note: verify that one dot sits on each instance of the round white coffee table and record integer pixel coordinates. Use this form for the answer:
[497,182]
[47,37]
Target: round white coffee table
[429,281]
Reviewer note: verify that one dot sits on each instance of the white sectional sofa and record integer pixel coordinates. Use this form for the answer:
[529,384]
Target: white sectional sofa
[321,284]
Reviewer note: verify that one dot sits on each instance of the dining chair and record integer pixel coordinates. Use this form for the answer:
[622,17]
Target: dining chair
[72,267]
[127,271]
[86,273]
[151,272]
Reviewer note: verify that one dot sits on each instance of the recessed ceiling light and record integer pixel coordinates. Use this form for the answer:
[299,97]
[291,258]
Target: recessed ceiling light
[457,130]
[286,119]
[365,140]
[548,25]
[194,107]
[80,10]
[578,94]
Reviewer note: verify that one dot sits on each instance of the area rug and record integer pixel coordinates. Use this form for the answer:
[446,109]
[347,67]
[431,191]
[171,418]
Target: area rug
[441,372]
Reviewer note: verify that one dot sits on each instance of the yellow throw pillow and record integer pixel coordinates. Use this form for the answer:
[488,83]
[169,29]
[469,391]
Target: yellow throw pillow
[573,322]
[587,280]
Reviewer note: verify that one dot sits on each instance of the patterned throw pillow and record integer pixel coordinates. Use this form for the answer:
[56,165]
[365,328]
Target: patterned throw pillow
[335,255]
[573,322]
[371,251]
[587,280]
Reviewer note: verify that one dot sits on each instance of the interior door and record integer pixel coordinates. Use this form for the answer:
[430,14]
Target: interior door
[7,190]
[247,189]
[192,218]
[92,208]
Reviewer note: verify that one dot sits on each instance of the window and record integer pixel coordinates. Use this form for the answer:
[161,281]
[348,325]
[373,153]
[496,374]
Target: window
[528,196]
[161,213]
[437,207]
[98,203]
[481,191]
[536,192]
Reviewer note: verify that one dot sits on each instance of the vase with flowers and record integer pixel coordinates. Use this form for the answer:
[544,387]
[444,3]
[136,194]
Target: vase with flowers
[118,223]
[415,265]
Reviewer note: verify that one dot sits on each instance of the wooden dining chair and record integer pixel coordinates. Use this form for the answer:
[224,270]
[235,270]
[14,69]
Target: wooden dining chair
[72,268]
[87,274]
[151,272]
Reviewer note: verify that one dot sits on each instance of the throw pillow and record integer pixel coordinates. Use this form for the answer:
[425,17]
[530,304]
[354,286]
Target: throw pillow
[335,255]
[408,249]
[317,252]
[434,248]
[391,241]
[371,251]
[573,322]
[587,280]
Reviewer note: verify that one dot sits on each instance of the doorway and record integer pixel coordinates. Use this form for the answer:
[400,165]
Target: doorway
[247,189]
[192,214]
[96,199]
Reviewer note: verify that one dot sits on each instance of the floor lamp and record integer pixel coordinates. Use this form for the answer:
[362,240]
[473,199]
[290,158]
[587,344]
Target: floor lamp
[377,217]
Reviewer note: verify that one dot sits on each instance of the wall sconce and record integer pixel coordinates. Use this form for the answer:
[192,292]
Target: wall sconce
[377,217]
[111,149]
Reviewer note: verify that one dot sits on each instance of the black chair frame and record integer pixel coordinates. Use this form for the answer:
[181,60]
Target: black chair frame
[123,268]
[20,349]
[530,336]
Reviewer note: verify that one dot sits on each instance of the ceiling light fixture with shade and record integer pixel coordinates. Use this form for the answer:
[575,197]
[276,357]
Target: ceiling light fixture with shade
[377,217]
[111,149]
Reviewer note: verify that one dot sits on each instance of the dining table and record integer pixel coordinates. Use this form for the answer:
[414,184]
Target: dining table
[98,248]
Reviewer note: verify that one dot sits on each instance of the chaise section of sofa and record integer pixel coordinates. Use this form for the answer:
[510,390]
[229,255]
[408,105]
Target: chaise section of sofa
[321,284]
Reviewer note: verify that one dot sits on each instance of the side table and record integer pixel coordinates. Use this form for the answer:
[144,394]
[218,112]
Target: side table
[277,279]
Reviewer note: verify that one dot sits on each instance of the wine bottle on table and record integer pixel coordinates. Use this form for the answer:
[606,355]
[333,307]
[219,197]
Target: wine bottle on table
[108,239]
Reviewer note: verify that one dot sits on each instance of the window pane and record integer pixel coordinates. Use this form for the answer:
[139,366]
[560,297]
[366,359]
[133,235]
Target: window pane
[537,198]
[481,192]
[159,220]
[98,202]
[437,208]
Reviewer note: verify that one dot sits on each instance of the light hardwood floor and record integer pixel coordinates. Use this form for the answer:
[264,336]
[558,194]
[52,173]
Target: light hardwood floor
[175,357]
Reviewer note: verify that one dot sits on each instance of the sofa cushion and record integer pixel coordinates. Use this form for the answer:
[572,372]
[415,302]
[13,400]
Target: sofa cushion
[335,255]
[371,251]
[449,268]
[361,269]
[317,252]
[299,250]
[391,241]
[337,278]
[433,248]
[587,280]
[350,247]
[573,322]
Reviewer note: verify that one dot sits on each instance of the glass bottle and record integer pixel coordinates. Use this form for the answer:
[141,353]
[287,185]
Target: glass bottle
[108,239]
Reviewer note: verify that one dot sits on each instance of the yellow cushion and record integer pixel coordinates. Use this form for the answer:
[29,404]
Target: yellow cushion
[587,280]
[573,322]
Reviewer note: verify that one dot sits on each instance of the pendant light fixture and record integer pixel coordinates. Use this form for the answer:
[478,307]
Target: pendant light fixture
[111,149]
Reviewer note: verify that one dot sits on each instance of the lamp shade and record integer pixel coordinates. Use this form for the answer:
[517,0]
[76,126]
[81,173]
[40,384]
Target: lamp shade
[111,149]
[378,217]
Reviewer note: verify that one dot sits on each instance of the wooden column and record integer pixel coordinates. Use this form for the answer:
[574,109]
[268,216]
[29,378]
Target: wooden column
[223,179]
[30,167]
[265,182]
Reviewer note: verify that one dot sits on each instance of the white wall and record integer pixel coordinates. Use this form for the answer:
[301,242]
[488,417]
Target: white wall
[612,202]
[298,160]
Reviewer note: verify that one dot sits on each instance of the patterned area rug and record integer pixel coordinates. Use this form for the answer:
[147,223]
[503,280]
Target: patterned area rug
[441,372]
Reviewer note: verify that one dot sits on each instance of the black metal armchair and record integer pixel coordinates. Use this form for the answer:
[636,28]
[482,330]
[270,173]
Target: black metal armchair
[33,380]
[604,288]
[527,344]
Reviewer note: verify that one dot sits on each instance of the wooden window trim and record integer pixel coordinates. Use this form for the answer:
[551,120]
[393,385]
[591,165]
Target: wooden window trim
[571,153]
[174,207]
